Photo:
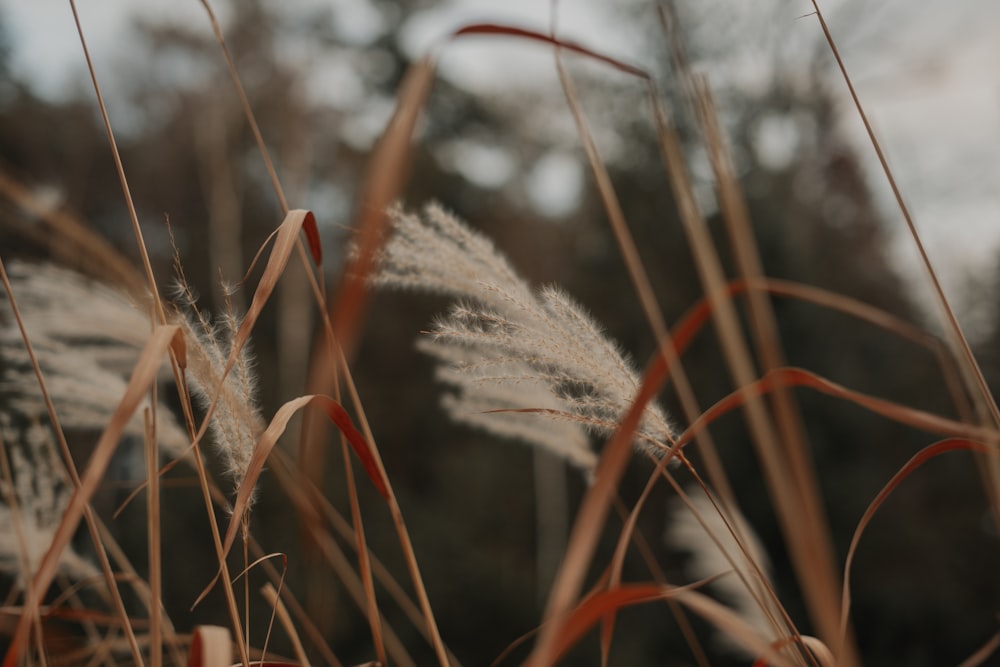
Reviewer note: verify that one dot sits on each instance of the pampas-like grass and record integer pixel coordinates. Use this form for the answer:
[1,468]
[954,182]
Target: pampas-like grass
[507,347]
[87,338]
[35,497]
[236,423]
[742,574]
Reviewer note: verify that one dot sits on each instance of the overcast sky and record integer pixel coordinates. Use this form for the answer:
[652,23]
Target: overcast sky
[926,71]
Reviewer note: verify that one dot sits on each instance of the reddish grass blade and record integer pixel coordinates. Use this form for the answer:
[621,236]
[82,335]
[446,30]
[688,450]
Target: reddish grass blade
[601,605]
[987,411]
[798,377]
[695,319]
[918,459]
[498,30]
[618,559]
[693,322]
[163,338]
[597,606]
[269,438]
[591,516]
[387,173]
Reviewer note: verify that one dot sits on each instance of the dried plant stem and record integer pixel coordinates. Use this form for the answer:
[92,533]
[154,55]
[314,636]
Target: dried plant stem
[335,557]
[31,605]
[305,622]
[631,535]
[133,216]
[987,411]
[247,110]
[273,598]
[314,499]
[641,284]
[178,373]
[752,575]
[144,374]
[245,529]
[220,554]
[142,590]
[397,519]
[819,583]
[364,566]
[153,535]
[583,538]
[984,653]
[88,514]
[764,328]
[312,455]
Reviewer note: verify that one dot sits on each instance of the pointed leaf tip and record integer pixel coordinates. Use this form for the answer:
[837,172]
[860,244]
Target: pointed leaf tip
[311,230]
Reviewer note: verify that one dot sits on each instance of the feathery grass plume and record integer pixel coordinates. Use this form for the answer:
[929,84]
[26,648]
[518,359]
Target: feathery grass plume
[714,551]
[33,502]
[236,423]
[479,398]
[87,337]
[506,346]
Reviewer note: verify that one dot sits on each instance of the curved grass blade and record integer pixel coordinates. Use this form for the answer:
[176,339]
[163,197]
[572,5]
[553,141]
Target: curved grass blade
[269,438]
[798,377]
[918,460]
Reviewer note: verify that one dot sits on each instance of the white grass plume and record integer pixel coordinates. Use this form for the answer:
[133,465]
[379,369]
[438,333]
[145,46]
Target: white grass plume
[714,551]
[507,346]
[236,423]
[87,337]
[34,503]
[476,400]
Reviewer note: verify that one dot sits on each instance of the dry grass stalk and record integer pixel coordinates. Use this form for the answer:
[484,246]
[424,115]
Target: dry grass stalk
[514,356]
[159,315]
[721,545]
[88,337]
[986,408]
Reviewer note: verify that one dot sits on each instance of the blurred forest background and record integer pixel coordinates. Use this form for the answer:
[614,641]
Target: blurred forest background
[926,586]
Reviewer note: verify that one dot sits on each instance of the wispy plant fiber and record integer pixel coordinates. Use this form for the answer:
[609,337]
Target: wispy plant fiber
[87,337]
[505,346]
[34,501]
[743,573]
[236,424]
